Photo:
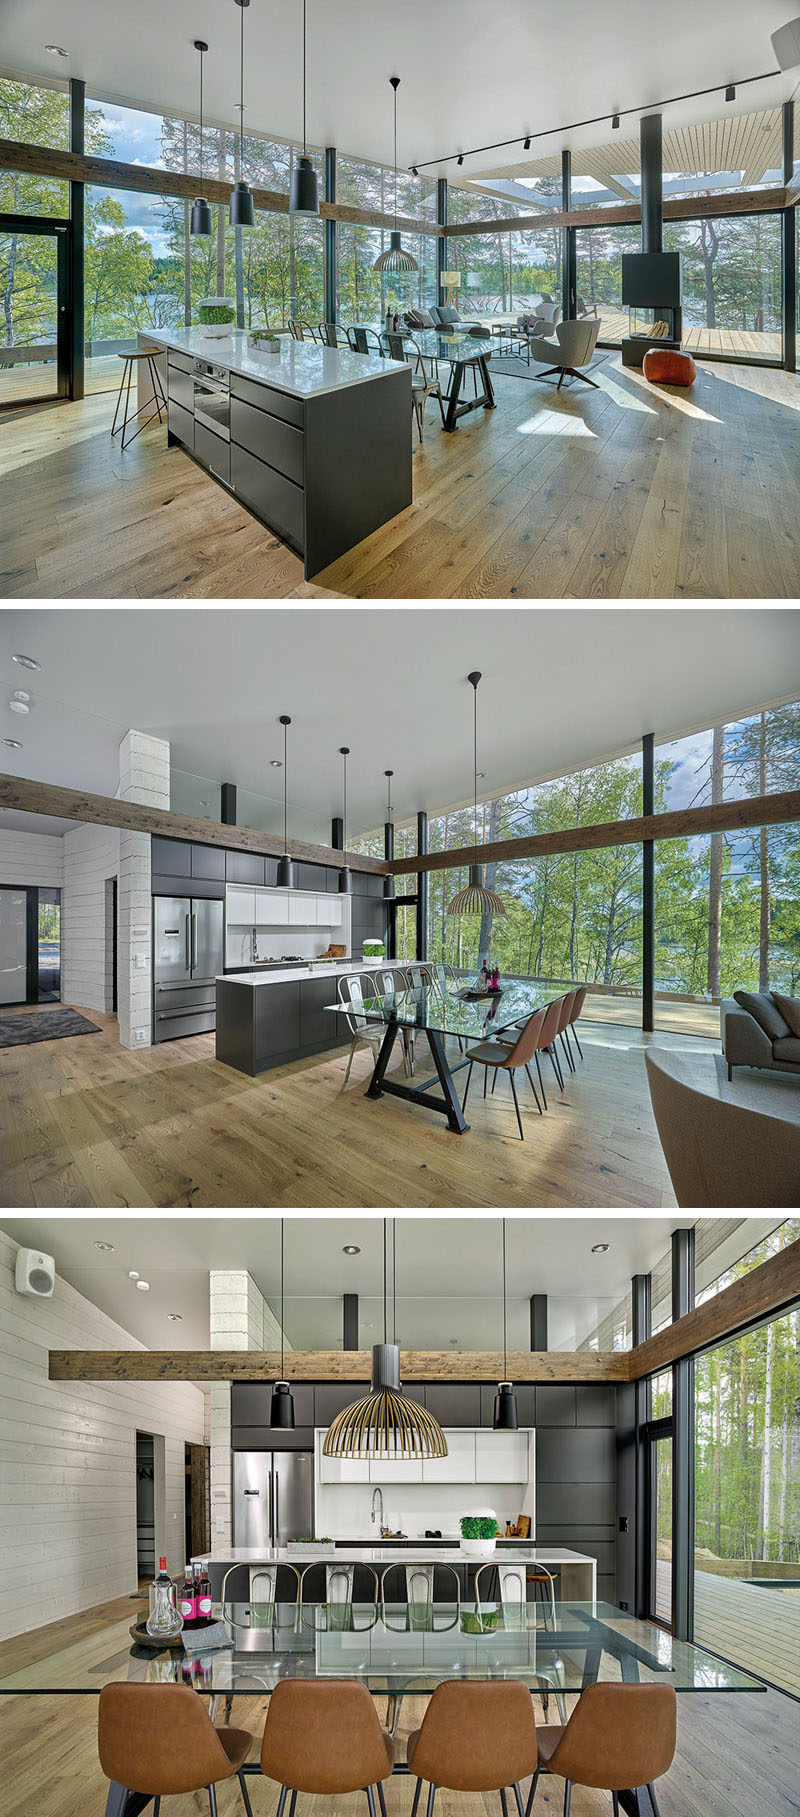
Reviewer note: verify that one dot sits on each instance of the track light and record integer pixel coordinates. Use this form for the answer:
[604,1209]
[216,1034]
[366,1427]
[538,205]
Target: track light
[615,122]
[460,158]
[730,92]
[414,171]
[527,143]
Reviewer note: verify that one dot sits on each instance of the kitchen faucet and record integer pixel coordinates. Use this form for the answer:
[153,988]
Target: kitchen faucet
[254,947]
[379,1492]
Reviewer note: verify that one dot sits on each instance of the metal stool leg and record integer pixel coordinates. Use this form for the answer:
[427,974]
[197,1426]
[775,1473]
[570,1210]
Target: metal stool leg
[158,389]
[127,364]
[127,401]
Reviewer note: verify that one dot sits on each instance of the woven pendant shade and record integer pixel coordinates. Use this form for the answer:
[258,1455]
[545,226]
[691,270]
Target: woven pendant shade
[476,899]
[384,1424]
[395,258]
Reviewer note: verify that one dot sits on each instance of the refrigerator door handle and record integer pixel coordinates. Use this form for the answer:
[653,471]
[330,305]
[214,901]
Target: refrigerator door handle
[272,1538]
[188,945]
[277,1515]
[194,939]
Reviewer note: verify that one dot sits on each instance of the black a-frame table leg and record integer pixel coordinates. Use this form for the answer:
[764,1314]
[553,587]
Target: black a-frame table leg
[374,1089]
[455,1115]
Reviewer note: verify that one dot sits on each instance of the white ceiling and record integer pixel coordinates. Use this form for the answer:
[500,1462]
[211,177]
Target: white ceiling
[469,77]
[448,1272]
[561,687]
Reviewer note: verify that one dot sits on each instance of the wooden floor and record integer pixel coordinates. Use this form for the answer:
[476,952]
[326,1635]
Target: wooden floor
[84,1122]
[731,343]
[624,492]
[737,1756]
[760,1627]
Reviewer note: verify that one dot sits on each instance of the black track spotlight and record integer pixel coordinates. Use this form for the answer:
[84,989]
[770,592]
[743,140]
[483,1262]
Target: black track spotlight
[730,92]
[527,143]
[460,158]
[414,171]
[615,122]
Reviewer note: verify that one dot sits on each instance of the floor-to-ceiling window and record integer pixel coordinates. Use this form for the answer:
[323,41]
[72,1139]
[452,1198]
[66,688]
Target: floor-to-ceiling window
[598,282]
[731,284]
[33,115]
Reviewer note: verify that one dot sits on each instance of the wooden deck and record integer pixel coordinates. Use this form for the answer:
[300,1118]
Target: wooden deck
[33,384]
[737,1756]
[757,1629]
[732,343]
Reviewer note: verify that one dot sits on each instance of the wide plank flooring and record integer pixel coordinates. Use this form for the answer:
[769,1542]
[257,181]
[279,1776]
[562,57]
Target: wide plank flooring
[624,492]
[737,1756]
[84,1122]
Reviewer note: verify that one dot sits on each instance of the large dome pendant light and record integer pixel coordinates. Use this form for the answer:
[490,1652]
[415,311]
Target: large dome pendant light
[304,188]
[388,882]
[242,211]
[345,879]
[475,899]
[281,1408]
[286,878]
[200,218]
[505,1400]
[384,1424]
[396,258]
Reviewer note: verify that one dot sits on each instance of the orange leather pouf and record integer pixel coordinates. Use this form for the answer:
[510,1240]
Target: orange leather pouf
[669,366]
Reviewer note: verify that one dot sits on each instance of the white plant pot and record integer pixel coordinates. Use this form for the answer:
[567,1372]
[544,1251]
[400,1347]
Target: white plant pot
[478,1548]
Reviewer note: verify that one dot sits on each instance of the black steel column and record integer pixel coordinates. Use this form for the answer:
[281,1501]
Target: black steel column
[389,902]
[538,1321]
[337,833]
[648,887]
[422,888]
[683,1445]
[227,812]
[789,247]
[640,1297]
[441,242]
[77,193]
[349,1321]
[650,153]
[330,235]
[569,279]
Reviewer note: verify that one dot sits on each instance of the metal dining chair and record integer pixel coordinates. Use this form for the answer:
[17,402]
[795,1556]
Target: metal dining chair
[359,341]
[350,992]
[424,384]
[331,335]
[390,983]
[301,331]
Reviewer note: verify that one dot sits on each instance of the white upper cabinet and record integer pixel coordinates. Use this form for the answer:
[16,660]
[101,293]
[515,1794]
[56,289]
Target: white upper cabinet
[501,1457]
[329,911]
[459,1464]
[402,1470]
[281,908]
[240,906]
[272,908]
[341,1469]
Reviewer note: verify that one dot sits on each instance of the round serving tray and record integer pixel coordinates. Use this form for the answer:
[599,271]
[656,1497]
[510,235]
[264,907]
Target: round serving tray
[157,1642]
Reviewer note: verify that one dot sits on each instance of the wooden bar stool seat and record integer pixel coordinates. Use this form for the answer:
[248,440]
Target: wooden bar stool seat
[130,360]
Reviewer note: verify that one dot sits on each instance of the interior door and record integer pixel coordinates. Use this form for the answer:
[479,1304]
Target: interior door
[172,940]
[293,1493]
[35,356]
[207,945]
[13,945]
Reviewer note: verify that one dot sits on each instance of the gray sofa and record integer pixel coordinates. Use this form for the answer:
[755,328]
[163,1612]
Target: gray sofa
[720,1154]
[755,1033]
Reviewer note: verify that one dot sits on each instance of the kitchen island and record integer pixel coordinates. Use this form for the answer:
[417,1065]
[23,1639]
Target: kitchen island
[315,441]
[575,1572]
[267,1018]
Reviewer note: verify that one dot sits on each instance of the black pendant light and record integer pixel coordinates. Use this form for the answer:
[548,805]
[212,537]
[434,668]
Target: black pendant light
[200,218]
[286,877]
[384,1424]
[242,212]
[395,258]
[281,1408]
[505,1400]
[388,882]
[475,899]
[345,879]
[304,188]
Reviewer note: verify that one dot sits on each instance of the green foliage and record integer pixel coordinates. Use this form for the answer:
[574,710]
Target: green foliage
[478,1526]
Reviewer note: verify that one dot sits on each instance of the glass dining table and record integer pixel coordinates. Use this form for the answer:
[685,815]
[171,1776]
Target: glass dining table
[396,1650]
[461,351]
[438,1011]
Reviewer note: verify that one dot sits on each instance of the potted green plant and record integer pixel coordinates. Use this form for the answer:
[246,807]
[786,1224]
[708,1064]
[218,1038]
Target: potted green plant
[374,949]
[216,315]
[478,1535]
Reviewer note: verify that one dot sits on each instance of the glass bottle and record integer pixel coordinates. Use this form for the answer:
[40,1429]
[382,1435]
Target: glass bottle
[163,1621]
[188,1602]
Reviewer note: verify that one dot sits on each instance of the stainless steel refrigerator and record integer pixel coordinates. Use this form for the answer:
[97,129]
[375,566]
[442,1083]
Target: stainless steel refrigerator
[273,1497]
[188,954]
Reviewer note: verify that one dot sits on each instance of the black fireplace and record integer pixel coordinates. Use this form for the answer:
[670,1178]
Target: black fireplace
[652,294]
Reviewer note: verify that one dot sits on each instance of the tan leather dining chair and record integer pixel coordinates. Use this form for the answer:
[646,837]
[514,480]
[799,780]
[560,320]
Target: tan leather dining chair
[546,1040]
[324,1736]
[475,1737]
[578,1000]
[617,1738]
[159,1739]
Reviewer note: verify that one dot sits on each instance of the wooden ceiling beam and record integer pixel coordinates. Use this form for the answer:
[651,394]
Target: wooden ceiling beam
[134,817]
[765,1292]
[718,817]
[334,1366]
[617,214]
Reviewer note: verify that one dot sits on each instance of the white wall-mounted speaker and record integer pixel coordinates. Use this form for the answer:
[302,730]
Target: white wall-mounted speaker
[35,1273]
[786,45]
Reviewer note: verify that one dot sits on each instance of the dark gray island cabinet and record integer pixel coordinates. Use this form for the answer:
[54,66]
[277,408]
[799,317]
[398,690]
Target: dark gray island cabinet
[315,441]
[266,1020]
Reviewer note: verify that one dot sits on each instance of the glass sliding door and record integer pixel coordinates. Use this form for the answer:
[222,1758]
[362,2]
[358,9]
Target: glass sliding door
[34,350]
[13,945]
[48,954]
[30,944]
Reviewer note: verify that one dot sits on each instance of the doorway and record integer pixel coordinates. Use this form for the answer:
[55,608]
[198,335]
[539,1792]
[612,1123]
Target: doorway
[35,361]
[30,944]
[145,1510]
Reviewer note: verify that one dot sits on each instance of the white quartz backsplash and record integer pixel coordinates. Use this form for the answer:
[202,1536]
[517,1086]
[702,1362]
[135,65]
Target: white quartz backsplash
[344,1509]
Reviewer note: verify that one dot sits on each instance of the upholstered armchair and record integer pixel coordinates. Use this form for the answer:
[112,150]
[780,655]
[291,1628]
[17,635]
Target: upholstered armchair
[572,348]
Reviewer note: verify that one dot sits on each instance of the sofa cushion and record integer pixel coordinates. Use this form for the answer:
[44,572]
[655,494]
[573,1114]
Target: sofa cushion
[765,1012]
[790,1010]
[788,1049]
[447,314]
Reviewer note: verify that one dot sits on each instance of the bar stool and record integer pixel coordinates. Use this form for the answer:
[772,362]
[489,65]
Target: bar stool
[131,360]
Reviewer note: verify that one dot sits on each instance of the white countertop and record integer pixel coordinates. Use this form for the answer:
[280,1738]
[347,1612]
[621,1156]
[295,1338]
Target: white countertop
[387,1554]
[301,368]
[335,968]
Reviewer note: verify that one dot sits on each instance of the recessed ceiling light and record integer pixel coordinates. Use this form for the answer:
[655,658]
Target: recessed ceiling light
[133,1274]
[143,1286]
[26,662]
[20,701]
[107,1248]
[600,1248]
[351,1249]
[13,744]
[275,763]
[176,1317]
[56,50]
